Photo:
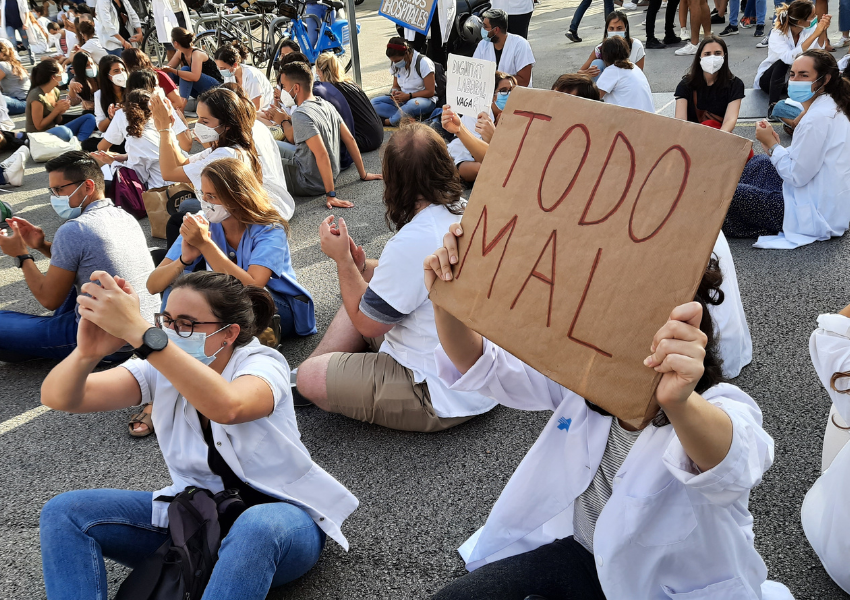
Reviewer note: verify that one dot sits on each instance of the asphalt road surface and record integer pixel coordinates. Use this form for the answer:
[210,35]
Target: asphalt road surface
[422,495]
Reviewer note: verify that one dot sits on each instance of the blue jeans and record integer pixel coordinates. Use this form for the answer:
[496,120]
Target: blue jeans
[755,8]
[15,106]
[196,88]
[82,127]
[599,64]
[386,108]
[116,52]
[10,33]
[31,336]
[287,152]
[785,111]
[843,15]
[269,545]
[608,6]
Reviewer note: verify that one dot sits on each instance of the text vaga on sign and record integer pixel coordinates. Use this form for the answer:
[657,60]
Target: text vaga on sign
[470,83]
[414,14]
[587,225]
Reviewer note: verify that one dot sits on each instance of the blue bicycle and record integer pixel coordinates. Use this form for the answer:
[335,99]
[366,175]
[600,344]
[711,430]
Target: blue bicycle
[317,27]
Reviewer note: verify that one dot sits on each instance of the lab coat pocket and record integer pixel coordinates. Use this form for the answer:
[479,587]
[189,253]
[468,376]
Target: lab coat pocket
[664,518]
[731,589]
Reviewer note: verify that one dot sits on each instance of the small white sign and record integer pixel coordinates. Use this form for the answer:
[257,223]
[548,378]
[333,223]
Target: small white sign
[470,83]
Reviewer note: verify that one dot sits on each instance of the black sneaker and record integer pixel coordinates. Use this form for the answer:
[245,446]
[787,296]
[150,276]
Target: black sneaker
[572,36]
[713,11]
[770,116]
[654,44]
[717,20]
[730,30]
[672,39]
[759,31]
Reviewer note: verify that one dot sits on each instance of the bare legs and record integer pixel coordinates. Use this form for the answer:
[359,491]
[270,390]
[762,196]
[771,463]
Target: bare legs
[700,17]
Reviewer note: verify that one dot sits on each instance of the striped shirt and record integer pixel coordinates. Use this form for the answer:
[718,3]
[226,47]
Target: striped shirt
[592,500]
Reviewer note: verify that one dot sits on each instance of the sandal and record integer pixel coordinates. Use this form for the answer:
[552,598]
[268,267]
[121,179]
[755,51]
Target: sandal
[143,418]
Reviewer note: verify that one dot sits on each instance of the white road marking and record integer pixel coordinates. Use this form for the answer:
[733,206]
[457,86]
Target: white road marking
[22,419]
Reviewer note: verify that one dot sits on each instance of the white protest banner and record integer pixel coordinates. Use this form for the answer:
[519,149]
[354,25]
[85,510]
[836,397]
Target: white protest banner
[413,14]
[470,84]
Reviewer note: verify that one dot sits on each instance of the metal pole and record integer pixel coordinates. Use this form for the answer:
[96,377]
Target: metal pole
[355,48]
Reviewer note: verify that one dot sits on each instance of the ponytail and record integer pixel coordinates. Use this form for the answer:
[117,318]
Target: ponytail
[233,53]
[263,307]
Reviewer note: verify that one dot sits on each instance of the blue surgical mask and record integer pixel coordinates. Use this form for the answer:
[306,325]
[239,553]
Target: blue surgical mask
[194,345]
[801,91]
[225,73]
[399,65]
[62,205]
[91,72]
[502,99]
[621,34]
[485,35]
[813,23]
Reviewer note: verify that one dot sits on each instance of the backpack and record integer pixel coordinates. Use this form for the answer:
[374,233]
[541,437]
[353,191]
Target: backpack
[439,80]
[181,568]
[127,192]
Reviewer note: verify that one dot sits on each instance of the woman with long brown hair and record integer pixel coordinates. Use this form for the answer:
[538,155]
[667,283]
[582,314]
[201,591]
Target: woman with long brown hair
[14,80]
[242,234]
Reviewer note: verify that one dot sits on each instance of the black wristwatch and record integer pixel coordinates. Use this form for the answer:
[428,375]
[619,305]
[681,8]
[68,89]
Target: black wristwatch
[331,194]
[19,260]
[154,340]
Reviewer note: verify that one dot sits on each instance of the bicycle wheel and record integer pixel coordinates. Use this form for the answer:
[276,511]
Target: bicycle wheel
[274,57]
[154,49]
[209,41]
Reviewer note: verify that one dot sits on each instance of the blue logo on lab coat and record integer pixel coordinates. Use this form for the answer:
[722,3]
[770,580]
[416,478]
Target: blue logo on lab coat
[564,423]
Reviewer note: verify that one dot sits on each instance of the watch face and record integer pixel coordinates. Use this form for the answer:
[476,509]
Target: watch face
[155,339]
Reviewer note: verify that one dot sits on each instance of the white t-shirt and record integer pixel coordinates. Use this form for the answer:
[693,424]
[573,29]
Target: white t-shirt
[70,42]
[626,87]
[94,48]
[142,152]
[99,115]
[635,55]
[6,123]
[411,342]
[256,84]
[514,7]
[409,80]
[274,180]
[516,55]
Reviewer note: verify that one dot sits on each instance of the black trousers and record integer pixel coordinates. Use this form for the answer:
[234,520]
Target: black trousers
[669,18]
[435,50]
[518,24]
[772,82]
[562,570]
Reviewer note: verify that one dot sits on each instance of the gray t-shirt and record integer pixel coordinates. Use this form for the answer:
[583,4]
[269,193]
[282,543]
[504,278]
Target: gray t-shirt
[12,85]
[593,499]
[315,117]
[106,238]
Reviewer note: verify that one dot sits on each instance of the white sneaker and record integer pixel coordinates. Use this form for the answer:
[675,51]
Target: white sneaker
[684,33]
[13,167]
[688,50]
[643,24]
[629,6]
[841,42]
[764,42]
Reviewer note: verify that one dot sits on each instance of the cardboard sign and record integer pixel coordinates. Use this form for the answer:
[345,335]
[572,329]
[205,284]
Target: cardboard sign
[413,14]
[470,84]
[587,225]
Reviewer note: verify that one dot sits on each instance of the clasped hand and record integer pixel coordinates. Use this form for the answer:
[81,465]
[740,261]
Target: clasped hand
[196,233]
[110,315]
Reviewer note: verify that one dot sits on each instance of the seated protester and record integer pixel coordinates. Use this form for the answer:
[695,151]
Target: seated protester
[621,83]
[801,193]
[710,94]
[97,235]
[274,181]
[112,82]
[414,92]
[315,132]
[576,84]
[224,419]
[241,234]
[511,53]
[376,360]
[616,25]
[793,33]
[193,69]
[136,60]
[11,169]
[504,85]
[14,80]
[84,85]
[67,23]
[88,40]
[46,112]
[368,129]
[225,129]
[824,513]
[701,449]
[52,9]
[330,94]
[119,25]
[230,60]
[44,41]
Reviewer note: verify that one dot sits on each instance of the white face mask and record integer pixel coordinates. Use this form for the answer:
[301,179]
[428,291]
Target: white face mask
[286,98]
[119,79]
[214,213]
[711,64]
[205,133]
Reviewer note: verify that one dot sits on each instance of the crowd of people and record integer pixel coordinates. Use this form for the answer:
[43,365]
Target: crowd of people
[192,331]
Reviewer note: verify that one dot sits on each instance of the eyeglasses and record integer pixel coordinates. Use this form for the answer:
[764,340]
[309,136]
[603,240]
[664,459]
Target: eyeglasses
[211,198]
[56,191]
[183,327]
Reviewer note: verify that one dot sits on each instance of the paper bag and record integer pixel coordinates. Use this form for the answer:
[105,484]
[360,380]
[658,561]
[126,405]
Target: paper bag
[161,202]
[587,225]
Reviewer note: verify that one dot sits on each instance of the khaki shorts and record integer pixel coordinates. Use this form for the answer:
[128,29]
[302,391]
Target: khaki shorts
[373,387]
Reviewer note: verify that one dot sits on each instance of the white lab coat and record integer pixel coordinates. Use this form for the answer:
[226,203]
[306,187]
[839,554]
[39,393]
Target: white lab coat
[23,9]
[668,531]
[107,20]
[165,18]
[815,171]
[734,344]
[826,511]
[516,55]
[781,46]
[445,12]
